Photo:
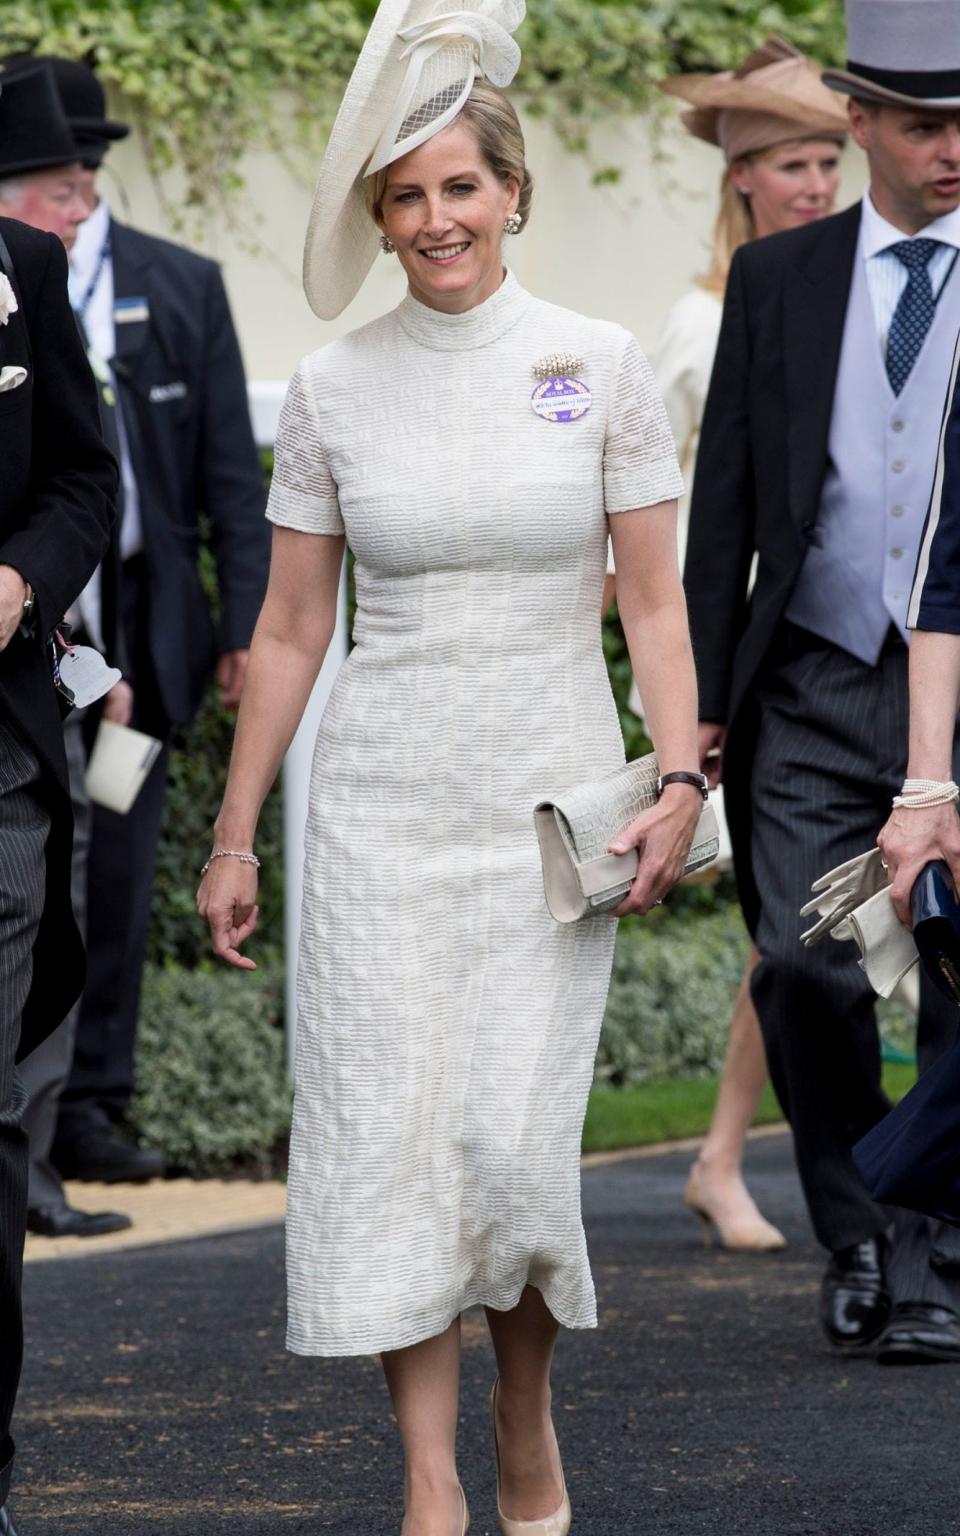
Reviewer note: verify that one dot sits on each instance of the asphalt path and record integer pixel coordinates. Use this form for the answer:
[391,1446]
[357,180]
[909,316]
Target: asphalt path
[158,1399]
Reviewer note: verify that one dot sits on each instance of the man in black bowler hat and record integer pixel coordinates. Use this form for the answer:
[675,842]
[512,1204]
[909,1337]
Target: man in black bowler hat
[159,314]
[57,495]
[53,199]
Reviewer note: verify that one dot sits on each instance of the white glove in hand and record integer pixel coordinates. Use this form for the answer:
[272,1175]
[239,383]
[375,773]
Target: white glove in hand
[887,947]
[840,892]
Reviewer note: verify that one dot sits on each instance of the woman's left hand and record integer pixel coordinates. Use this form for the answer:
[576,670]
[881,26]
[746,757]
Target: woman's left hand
[662,836]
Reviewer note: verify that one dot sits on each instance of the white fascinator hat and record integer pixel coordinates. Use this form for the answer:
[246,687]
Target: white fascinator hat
[414,74]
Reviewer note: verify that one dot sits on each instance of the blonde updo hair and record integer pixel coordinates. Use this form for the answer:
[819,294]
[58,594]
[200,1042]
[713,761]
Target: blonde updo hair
[496,126]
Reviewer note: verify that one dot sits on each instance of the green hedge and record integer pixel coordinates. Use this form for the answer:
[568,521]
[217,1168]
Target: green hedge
[675,975]
[212,1087]
[207,81]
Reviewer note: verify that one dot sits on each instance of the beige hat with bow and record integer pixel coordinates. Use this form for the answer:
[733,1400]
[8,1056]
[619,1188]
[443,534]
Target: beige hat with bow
[414,74]
[776,95]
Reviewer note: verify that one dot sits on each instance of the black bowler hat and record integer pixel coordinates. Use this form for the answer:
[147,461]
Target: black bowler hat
[34,133]
[83,100]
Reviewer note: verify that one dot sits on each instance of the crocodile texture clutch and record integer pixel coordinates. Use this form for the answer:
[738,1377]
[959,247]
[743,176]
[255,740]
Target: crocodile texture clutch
[581,877]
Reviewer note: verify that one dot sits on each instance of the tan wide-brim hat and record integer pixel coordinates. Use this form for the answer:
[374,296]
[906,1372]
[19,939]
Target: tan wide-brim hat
[775,95]
[905,53]
[415,70]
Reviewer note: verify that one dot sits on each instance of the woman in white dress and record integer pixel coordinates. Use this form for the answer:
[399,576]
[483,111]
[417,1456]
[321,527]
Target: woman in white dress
[447,1025]
[781,132]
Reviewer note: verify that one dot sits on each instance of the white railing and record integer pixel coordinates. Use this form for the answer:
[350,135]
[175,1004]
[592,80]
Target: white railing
[266,398]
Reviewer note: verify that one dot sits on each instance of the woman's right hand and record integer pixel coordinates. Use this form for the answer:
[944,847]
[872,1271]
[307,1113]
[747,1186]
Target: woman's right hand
[227,901]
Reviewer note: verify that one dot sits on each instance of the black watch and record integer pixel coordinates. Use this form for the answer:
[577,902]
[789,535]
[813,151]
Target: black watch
[698,780]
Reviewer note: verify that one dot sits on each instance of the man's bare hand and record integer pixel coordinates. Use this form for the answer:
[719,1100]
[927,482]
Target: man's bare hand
[712,739]
[913,838]
[231,671]
[13,593]
[118,704]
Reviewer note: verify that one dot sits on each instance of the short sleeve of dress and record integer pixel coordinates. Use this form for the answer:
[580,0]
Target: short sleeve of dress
[303,492]
[640,465]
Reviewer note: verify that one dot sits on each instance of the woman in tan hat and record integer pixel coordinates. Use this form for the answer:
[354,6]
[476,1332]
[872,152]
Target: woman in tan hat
[781,132]
[474,447]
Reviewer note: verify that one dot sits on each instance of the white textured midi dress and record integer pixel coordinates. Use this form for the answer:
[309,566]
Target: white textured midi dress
[447,1025]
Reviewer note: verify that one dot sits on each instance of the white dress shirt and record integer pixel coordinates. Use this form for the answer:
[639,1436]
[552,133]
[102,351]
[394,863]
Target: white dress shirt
[91,294]
[887,277]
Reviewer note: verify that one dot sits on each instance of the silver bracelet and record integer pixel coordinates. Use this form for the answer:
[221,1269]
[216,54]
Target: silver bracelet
[230,853]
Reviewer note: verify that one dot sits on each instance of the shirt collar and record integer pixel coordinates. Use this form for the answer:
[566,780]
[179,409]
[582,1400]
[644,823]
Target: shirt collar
[877,234]
[91,237]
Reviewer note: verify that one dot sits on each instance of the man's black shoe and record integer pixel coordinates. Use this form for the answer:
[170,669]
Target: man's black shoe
[7,1527]
[919,1333]
[854,1303]
[101,1157]
[66,1221]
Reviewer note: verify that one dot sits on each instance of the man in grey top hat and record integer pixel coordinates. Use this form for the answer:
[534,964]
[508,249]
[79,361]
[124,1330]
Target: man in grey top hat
[817,454]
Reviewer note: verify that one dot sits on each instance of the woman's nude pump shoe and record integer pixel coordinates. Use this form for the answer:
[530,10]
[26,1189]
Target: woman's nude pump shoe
[557,1524]
[466,1515]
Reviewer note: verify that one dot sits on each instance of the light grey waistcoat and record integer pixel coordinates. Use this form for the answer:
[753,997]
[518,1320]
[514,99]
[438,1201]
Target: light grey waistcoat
[857,574]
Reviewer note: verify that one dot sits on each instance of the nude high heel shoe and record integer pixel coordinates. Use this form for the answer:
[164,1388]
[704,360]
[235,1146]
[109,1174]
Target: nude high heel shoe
[742,1229]
[466,1514]
[557,1524]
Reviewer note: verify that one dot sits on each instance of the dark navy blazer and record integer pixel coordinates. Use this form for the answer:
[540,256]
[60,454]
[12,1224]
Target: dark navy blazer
[935,603]
[183,395]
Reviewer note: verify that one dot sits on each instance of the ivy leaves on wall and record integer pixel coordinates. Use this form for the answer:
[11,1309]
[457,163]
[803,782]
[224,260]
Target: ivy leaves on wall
[207,81]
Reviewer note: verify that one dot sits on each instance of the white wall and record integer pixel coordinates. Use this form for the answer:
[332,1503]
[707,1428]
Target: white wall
[622,252]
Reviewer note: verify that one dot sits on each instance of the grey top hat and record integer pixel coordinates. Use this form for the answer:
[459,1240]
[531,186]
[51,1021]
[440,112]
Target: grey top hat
[903,52]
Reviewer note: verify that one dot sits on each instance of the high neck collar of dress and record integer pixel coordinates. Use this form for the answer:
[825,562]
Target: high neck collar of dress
[476,327]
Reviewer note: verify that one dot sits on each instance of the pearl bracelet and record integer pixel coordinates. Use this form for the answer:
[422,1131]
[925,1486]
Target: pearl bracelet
[923,794]
[230,853]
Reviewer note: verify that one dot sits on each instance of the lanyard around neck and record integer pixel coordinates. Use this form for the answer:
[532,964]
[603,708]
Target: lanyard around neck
[94,282]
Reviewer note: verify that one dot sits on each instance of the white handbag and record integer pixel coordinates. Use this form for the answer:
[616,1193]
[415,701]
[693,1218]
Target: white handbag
[581,877]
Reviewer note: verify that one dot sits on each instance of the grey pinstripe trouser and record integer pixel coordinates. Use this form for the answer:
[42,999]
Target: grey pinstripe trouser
[47,1069]
[24,827]
[831,753]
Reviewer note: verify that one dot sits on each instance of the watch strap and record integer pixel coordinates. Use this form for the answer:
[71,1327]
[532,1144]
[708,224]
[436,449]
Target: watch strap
[697,780]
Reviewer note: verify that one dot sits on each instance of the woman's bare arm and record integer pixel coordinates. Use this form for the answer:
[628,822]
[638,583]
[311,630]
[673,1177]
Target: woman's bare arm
[293,633]
[654,617]
[913,838]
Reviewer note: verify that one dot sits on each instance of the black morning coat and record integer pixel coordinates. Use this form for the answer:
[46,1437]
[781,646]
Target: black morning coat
[183,398]
[760,469]
[57,492]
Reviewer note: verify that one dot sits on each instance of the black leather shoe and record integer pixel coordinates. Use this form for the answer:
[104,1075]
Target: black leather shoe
[919,1333]
[854,1303]
[66,1221]
[7,1527]
[102,1157]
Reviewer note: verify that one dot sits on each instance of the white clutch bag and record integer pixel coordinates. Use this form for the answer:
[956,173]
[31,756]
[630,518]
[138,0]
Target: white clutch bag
[581,878]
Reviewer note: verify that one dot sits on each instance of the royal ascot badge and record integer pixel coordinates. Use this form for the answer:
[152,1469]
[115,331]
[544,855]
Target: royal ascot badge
[560,395]
[561,399]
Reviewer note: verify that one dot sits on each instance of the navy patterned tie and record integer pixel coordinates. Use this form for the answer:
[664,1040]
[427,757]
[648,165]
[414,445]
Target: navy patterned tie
[914,313]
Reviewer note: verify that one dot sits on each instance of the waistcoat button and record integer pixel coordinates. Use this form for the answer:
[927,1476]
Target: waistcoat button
[896,511]
[895,554]
[898,466]
[898,426]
